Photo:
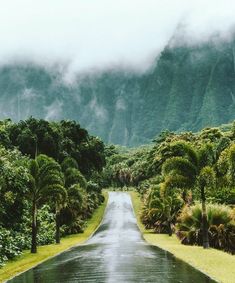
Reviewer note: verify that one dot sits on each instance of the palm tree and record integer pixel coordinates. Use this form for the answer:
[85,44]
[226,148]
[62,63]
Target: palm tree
[75,184]
[226,167]
[46,184]
[71,215]
[189,168]
[221,226]
[231,158]
[161,209]
[206,179]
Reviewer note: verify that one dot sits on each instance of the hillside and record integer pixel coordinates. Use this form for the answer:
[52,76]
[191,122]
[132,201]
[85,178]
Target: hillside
[188,88]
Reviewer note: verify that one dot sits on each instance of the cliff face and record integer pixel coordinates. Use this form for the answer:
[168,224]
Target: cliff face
[187,89]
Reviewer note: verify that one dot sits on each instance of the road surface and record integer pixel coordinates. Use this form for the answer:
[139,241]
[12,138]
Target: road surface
[116,253]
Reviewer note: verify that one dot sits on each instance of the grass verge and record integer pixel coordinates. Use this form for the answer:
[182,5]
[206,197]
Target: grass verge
[216,264]
[28,260]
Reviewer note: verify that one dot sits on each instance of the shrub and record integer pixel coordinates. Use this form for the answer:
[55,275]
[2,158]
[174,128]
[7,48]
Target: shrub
[161,208]
[8,246]
[46,221]
[221,220]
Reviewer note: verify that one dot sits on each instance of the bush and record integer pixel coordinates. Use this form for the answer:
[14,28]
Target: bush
[46,221]
[223,195]
[8,246]
[161,208]
[74,227]
[221,220]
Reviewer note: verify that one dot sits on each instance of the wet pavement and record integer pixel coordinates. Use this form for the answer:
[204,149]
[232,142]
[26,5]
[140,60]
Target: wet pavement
[116,253]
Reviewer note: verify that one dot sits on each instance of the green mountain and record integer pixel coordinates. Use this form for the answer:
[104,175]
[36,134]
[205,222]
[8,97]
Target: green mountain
[188,88]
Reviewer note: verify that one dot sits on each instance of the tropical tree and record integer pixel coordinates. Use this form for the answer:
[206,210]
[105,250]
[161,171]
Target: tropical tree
[206,179]
[46,184]
[71,214]
[221,226]
[188,169]
[226,167]
[161,208]
[75,184]
[13,187]
[74,176]
[231,162]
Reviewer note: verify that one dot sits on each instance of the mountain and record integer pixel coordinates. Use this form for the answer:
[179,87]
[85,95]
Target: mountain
[188,88]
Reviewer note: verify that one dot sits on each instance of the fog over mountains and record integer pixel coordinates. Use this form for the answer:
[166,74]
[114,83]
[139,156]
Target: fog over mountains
[188,88]
[125,71]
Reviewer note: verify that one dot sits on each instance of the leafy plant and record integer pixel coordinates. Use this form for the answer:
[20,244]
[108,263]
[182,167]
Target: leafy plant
[221,226]
[8,247]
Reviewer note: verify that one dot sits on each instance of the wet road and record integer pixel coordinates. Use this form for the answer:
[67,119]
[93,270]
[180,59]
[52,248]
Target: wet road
[116,253]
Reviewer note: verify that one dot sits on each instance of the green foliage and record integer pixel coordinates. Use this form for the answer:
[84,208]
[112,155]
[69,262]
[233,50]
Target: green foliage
[8,246]
[46,226]
[38,195]
[46,185]
[69,162]
[206,178]
[13,187]
[74,176]
[71,215]
[188,88]
[179,167]
[221,226]
[59,140]
[46,179]
[161,208]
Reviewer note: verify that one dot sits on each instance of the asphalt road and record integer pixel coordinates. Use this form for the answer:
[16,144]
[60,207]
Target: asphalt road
[116,253]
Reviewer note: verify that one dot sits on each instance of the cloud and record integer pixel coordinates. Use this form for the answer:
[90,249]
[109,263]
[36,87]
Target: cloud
[98,110]
[54,110]
[96,34]
[120,104]
[28,94]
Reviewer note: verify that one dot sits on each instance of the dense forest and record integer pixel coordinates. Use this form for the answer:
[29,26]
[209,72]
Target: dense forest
[187,88]
[53,173]
[186,182]
[49,182]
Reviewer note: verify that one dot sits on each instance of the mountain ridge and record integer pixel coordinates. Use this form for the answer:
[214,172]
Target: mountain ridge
[188,88]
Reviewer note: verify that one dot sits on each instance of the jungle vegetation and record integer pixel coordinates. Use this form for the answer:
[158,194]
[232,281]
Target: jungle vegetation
[52,175]
[49,182]
[186,182]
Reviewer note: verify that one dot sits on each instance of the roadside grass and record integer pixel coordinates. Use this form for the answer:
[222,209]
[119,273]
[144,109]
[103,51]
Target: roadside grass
[28,260]
[218,265]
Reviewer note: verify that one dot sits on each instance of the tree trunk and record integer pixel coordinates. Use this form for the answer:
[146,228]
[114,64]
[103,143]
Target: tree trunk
[169,228]
[57,219]
[34,228]
[205,237]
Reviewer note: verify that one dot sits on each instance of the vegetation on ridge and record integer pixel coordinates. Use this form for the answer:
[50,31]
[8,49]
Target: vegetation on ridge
[187,88]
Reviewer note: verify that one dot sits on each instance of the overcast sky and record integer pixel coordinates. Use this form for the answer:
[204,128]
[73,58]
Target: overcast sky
[88,34]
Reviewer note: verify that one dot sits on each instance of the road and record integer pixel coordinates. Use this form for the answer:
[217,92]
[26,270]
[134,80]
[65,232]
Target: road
[116,253]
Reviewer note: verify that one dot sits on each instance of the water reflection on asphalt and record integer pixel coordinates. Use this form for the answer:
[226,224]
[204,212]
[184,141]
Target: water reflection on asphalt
[116,253]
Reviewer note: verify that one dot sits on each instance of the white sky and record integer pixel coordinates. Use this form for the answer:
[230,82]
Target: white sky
[86,34]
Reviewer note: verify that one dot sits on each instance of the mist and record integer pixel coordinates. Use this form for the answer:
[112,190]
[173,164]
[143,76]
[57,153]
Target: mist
[96,34]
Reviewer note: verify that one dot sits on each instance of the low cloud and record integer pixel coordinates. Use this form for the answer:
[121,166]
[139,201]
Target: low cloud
[120,104]
[54,110]
[28,94]
[98,110]
[97,34]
